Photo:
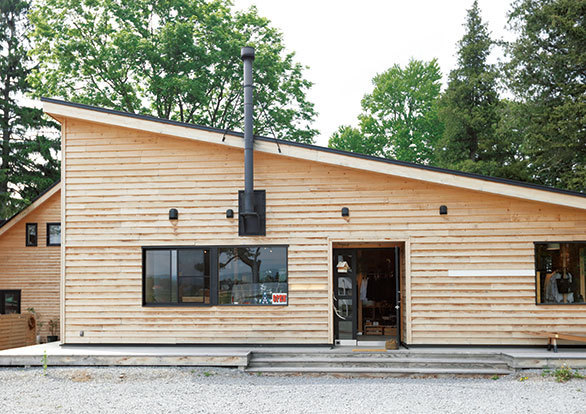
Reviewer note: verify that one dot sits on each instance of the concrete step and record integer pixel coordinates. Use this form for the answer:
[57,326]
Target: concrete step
[380,370]
[370,360]
[380,355]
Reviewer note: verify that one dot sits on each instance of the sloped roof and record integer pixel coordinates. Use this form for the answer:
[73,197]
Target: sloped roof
[62,109]
[40,199]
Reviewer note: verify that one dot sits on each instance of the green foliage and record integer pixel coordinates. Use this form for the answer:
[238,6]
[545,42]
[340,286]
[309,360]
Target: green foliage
[176,59]
[45,362]
[29,143]
[546,72]
[400,116]
[565,373]
[474,139]
[351,139]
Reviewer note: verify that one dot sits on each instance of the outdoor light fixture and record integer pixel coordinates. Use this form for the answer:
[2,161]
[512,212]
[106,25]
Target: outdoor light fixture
[443,210]
[345,212]
[173,214]
[229,213]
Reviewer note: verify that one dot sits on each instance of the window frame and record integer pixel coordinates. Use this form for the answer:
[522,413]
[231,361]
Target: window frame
[49,234]
[26,240]
[214,276]
[535,243]
[3,293]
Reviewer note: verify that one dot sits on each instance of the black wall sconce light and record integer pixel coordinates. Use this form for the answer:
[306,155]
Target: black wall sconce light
[173,214]
[229,213]
[345,212]
[443,210]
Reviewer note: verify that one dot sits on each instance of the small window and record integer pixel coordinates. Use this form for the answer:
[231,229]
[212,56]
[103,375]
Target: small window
[255,275]
[177,276]
[53,234]
[31,234]
[9,301]
[560,272]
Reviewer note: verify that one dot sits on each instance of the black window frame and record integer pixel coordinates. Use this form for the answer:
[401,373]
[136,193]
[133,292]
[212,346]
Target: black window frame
[3,293]
[535,270]
[49,234]
[214,275]
[26,241]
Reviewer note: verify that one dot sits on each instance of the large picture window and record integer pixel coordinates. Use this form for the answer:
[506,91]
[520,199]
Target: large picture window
[177,276]
[254,275]
[9,301]
[230,275]
[560,272]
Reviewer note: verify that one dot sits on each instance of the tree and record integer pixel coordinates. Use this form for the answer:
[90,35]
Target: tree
[29,145]
[547,73]
[352,139]
[177,59]
[470,109]
[399,118]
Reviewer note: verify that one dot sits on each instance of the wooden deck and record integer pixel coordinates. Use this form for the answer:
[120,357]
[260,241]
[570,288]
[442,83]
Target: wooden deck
[424,360]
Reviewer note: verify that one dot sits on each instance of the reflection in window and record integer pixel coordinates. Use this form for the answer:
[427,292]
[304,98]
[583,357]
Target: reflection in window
[31,234]
[253,275]
[53,234]
[560,272]
[177,276]
[9,301]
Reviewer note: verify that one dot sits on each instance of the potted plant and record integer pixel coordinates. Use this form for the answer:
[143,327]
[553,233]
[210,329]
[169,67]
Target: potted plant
[53,327]
[39,324]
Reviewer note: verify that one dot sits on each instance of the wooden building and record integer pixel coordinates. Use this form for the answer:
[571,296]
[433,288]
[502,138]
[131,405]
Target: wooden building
[30,261]
[355,247]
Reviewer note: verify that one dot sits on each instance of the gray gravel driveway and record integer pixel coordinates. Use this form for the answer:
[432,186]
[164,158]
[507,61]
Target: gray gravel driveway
[214,390]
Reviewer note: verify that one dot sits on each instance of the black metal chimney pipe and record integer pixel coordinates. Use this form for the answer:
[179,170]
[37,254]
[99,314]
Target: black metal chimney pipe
[247,56]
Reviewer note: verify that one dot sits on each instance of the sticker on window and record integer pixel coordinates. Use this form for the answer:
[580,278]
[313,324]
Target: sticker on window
[279,298]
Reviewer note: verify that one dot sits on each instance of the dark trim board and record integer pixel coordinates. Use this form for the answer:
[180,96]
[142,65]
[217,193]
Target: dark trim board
[214,345]
[318,148]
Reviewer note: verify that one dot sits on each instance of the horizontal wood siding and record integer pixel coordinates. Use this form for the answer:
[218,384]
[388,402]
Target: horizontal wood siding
[34,270]
[121,184]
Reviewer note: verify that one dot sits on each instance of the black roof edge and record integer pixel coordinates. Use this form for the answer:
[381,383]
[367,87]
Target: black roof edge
[31,203]
[319,148]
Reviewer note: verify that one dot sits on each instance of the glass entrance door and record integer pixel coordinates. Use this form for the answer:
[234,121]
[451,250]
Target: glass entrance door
[345,295]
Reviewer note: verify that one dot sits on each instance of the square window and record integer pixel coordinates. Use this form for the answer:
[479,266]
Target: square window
[9,301]
[560,273]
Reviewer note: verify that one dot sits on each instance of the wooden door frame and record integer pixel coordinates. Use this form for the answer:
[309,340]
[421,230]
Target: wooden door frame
[399,240]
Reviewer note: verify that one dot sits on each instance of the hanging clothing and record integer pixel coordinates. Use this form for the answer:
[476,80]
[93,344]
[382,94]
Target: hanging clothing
[552,294]
[363,288]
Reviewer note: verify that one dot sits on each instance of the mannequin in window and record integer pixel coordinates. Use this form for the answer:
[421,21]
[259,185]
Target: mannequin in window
[558,284]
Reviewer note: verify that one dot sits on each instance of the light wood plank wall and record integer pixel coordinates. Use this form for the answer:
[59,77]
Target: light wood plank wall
[120,184]
[34,270]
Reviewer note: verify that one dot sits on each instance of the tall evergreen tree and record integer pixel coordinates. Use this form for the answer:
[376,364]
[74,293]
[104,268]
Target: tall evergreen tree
[29,144]
[547,74]
[470,109]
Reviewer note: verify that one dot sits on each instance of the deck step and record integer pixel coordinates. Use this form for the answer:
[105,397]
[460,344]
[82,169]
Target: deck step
[380,370]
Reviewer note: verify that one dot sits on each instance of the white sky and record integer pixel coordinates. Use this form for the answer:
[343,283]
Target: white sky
[345,43]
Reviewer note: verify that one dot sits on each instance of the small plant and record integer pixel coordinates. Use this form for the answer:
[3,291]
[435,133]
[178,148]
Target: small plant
[546,372]
[45,361]
[53,327]
[495,377]
[523,379]
[565,373]
[207,374]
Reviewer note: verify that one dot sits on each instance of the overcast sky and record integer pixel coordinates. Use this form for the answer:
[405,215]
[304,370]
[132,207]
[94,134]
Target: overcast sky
[345,43]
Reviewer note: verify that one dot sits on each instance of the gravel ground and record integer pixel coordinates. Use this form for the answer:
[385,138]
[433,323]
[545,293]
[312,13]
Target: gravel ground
[201,390]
